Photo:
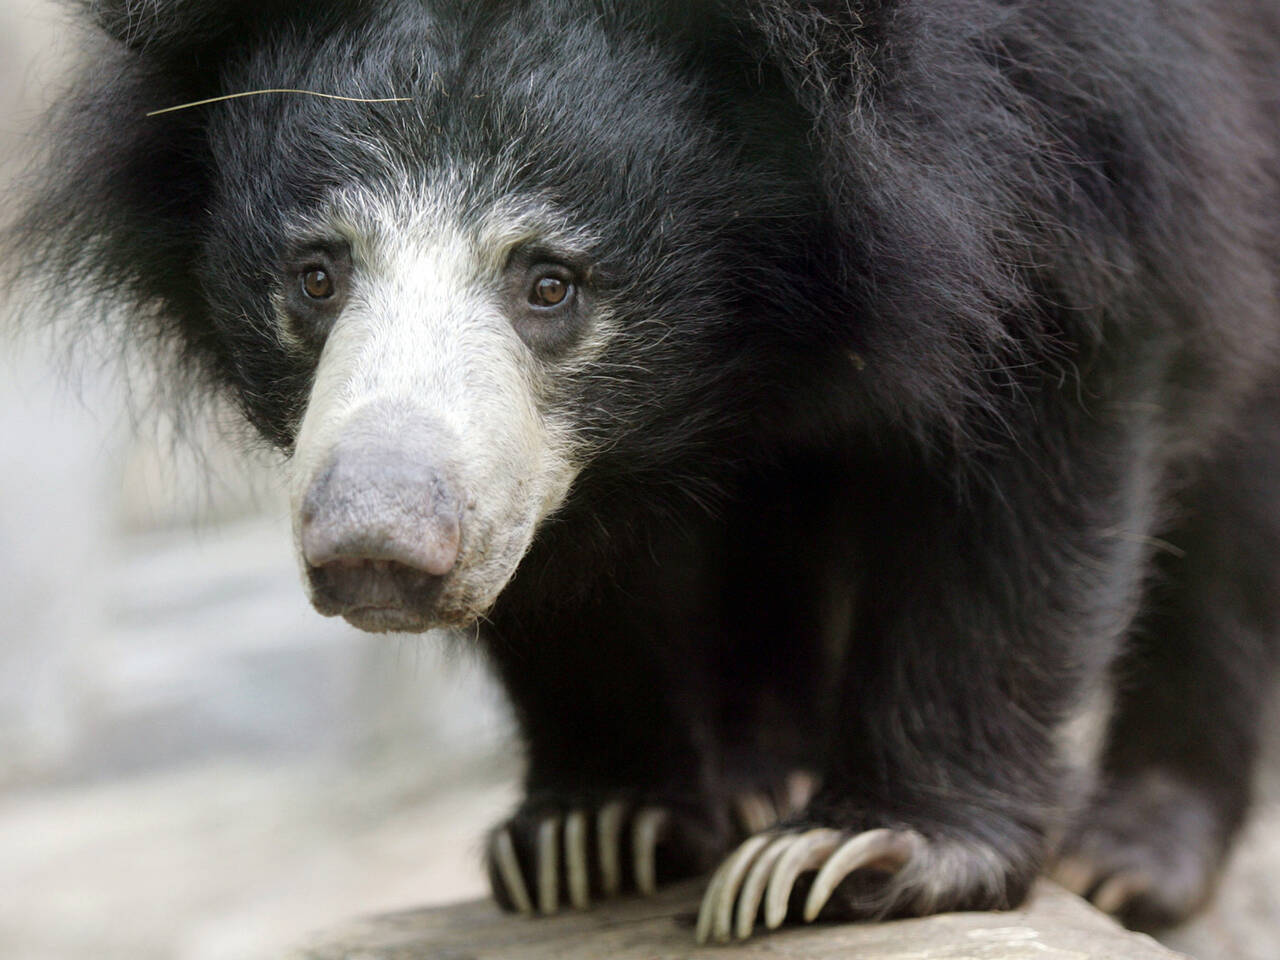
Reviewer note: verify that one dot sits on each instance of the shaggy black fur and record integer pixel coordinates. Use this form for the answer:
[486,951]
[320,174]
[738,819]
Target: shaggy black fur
[948,387]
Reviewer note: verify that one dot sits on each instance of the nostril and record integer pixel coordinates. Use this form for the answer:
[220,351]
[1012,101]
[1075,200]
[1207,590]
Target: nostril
[356,567]
[369,582]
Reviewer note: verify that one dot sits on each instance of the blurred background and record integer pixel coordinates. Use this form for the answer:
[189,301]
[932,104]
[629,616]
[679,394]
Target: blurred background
[193,764]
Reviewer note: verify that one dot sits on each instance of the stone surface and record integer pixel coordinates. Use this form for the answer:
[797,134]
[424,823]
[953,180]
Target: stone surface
[1053,926]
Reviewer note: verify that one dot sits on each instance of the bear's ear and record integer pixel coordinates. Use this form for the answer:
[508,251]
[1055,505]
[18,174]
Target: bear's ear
[165,29]
[816,45]
[815,51]
[164,26]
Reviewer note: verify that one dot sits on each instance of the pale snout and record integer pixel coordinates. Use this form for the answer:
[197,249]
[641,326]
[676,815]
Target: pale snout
[380,526]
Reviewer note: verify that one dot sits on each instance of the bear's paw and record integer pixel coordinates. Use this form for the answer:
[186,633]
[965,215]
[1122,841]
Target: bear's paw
[804,872]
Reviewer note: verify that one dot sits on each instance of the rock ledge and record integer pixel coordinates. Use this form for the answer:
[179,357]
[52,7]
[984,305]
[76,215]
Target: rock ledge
[1054,925]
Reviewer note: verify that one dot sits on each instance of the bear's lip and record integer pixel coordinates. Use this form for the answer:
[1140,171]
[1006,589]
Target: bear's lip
[388,620]
[377,596]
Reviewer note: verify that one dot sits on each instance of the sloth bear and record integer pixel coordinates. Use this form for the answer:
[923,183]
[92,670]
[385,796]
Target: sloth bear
[816,407]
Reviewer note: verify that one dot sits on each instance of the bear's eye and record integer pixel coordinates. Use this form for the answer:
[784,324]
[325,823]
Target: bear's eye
[316,280]
[550,290]
[549,307]
[318,284]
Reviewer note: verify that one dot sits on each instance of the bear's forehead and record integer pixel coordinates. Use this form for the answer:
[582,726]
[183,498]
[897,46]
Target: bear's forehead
[477,139]
[524,93]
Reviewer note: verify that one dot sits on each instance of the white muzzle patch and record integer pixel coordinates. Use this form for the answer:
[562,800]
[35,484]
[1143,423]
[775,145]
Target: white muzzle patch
[423,464]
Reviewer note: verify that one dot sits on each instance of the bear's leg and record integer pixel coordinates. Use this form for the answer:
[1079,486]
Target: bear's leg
[786,603]
[619,792]
[1191,695]
[612,687]
[984,619]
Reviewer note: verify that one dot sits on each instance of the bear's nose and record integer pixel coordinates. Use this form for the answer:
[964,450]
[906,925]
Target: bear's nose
[380,528]
[375,505]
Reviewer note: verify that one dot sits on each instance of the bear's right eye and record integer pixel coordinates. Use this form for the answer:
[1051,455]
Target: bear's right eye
[317,276]
[315,282]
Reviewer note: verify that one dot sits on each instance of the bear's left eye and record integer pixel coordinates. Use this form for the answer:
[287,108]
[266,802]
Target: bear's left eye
[548,304]
[551,288]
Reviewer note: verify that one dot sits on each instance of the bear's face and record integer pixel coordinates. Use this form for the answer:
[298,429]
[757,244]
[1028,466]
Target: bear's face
[448,307]
[435,436]
[465,264]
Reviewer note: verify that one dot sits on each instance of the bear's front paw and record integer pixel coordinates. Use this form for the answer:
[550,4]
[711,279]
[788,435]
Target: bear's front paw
[557,850]
[541,858]
[857,875]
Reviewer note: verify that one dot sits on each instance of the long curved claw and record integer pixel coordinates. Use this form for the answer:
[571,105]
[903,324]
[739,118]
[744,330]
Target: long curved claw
[765,868]
[808,851]
[715,919]
[753,887]
[548,857]
[756,812]
[798,790]
[707,909]
[645,831]
[1076,874]
[575,858]
[876,849]
[503,852]
[1115,893]
[609,836]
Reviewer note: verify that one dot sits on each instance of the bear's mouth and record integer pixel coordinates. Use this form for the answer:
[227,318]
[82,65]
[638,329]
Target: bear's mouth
[377,595]
[382,597]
